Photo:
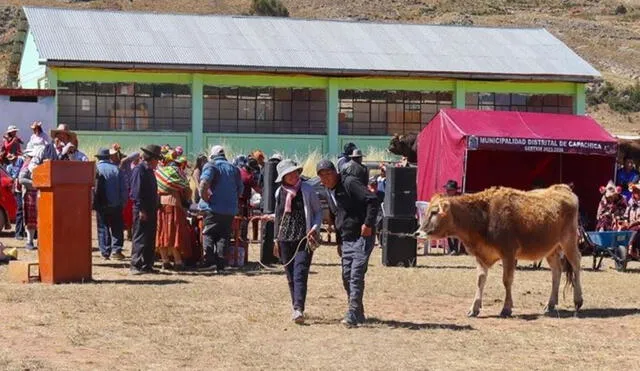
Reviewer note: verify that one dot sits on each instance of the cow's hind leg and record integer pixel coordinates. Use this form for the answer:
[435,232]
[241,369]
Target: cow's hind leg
[481,280]
[508,270]
[556,273]
[572,254]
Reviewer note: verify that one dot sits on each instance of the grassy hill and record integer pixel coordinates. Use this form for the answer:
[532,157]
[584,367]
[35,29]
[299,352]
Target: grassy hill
[606,33]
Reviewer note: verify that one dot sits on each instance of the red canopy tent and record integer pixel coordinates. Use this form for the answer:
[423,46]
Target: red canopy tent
[480,149]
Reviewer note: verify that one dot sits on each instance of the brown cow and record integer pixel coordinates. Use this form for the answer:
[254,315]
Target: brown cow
[507,224]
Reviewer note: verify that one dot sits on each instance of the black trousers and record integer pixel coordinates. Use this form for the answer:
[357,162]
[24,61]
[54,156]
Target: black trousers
[297,271]
[216,234]
[143,252]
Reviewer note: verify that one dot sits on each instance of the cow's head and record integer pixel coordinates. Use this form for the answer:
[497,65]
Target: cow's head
[396,145]
[436,222]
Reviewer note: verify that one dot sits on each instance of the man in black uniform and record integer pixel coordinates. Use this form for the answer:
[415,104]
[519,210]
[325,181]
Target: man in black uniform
[356,210]
[144,193]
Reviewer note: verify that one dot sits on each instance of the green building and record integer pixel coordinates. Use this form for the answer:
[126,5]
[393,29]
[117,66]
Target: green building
[280,84]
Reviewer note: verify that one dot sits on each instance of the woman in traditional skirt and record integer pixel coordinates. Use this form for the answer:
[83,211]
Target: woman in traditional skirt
[29,199]
[173,234]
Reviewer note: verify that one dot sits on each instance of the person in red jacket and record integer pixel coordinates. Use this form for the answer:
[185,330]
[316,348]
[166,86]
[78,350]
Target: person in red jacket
[11,144]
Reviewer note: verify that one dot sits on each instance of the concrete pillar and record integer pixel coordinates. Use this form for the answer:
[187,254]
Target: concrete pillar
[580,100]
[333,107]
[197,114]
[459,95]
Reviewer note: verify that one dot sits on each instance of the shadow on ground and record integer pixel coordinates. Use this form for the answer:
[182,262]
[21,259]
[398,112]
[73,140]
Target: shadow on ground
[583,313]
[126,281]
[393,324]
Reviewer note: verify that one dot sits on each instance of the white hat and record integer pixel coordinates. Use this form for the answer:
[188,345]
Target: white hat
[216,151]
[12,129]
[285,167]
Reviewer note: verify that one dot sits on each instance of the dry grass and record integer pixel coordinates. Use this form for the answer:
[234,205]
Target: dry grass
[240,320]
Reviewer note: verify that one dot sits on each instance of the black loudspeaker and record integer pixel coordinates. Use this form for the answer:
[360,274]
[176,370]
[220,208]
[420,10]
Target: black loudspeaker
[400,194]
[269,187]
[266,246]
[399,246]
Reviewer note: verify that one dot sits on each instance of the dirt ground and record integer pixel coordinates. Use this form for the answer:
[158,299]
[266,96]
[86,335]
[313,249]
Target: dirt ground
[241,320]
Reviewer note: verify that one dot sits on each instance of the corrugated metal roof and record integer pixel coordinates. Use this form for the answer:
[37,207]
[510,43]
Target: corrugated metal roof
[149,40]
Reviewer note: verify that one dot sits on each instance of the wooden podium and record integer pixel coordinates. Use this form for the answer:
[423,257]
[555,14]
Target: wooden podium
[64,220]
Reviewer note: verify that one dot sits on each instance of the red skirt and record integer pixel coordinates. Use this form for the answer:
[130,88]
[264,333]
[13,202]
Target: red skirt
[127,214]
[173,230]
[30,208]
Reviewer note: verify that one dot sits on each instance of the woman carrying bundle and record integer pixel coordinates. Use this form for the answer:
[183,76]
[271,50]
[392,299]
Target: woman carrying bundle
[297,224]
[173,235]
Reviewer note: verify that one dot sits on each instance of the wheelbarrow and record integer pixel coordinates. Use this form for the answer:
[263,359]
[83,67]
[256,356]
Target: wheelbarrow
[613,244]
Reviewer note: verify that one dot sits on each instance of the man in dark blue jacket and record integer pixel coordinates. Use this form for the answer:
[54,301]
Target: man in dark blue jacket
[356,211]
[220,187]
[110,196]
[144,193]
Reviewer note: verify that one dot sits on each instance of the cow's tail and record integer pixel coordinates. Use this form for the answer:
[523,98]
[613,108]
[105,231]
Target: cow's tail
[569,275]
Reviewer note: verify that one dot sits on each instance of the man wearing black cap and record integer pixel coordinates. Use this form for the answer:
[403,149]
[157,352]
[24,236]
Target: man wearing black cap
[144,193]
[356,210]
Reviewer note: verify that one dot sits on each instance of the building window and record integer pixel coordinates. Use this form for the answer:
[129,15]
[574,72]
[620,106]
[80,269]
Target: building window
[388,112]
[125,106]
[23,98]
[265,110]
[550,103]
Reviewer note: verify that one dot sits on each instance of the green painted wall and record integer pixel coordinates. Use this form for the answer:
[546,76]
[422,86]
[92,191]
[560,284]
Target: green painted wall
[289,144]
[32,75]
[269,143]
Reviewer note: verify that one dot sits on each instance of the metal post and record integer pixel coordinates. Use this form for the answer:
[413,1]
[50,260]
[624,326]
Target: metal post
[464,171]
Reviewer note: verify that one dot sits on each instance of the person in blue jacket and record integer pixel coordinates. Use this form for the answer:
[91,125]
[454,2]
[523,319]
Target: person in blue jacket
[220,187]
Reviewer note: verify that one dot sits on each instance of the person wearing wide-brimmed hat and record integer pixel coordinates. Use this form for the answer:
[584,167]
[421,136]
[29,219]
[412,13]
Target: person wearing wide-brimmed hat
[12,144]
[126,163]
[29,197]
[344,158]
[220,186]
[144,193]
[39,137]
[452,189]
[611,207]
[298,216]
[63,143]
[355,167]
[110,195]
[13,169]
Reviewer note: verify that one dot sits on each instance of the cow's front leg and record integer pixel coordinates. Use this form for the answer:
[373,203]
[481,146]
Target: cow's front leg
[482,271]
[508,270]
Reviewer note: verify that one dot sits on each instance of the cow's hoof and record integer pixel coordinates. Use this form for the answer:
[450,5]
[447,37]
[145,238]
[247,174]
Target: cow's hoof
[549,308]
[505,313]
[578,304]
[473,313]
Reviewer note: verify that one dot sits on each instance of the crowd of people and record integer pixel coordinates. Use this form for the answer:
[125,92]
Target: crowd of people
[152,196]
